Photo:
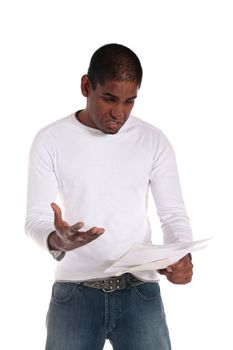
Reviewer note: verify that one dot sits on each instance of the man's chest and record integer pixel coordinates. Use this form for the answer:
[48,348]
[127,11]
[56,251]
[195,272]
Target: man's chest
[118,164]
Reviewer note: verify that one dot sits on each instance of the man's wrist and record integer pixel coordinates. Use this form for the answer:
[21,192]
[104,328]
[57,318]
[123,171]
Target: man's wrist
[53,242]
[57,253]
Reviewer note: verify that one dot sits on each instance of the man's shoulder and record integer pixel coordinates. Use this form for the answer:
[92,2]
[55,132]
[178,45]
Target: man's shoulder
[150,132]
[56,126]
[145,126]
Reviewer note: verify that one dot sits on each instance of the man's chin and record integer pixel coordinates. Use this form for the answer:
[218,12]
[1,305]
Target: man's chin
[111,130]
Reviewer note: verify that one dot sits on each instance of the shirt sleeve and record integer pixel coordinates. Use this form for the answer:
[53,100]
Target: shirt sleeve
[167,194]
[41,192]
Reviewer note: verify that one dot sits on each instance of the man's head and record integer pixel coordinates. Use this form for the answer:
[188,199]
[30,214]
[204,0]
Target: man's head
[114,62]
[111,84]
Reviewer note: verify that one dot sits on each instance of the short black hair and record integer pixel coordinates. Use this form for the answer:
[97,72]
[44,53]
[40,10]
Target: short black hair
[114,62]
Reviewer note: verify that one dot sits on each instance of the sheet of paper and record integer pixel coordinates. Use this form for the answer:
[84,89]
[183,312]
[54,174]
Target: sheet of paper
[145,256]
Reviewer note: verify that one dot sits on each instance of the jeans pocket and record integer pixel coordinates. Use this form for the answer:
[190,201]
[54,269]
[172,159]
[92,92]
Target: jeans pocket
[63,292]
[148,291]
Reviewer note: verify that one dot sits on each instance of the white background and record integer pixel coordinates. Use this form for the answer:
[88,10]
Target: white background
[186,51]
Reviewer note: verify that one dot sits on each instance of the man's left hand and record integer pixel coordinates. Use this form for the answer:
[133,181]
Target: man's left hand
[180,272]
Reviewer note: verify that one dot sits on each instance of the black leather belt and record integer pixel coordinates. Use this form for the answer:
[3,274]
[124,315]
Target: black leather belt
[112,284]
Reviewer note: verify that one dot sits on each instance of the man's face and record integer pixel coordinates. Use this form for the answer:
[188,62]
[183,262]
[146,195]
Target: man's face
[108,105]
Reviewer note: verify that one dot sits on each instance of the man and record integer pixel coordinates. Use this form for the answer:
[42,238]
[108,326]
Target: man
[102,161]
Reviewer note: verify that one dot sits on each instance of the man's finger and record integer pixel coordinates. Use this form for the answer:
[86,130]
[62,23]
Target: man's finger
[76,227]
[185,261]
[97,230]
[93,233]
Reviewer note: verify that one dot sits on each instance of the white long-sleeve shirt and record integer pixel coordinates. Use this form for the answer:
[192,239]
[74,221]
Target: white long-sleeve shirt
[103,180]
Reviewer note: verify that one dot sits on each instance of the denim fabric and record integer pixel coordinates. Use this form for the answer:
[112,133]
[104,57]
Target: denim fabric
[82,318]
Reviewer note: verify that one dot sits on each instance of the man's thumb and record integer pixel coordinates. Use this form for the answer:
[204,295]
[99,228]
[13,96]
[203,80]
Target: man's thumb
[57,213]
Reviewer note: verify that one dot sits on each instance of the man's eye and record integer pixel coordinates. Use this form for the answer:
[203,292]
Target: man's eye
[129,102]
[109,99]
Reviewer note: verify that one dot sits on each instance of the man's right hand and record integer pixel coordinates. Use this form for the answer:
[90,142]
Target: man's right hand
[67,237]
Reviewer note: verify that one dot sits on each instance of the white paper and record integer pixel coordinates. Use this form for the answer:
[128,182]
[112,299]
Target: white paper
[146,256]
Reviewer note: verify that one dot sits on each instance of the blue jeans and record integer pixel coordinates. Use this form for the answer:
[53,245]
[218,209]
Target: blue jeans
[82,318]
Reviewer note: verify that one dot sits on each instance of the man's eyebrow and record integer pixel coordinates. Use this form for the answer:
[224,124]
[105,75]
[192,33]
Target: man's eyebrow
[132,98]
[108,94]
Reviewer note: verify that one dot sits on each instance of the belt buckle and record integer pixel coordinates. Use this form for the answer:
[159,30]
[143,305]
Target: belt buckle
[110,285]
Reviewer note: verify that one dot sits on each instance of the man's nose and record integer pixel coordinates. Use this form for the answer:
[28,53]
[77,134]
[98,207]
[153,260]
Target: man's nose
[117,112]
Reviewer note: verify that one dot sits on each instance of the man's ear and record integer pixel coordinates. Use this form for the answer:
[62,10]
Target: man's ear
[85,85]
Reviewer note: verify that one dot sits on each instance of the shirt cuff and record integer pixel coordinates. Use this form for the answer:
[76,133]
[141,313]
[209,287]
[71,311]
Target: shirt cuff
[57,254]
